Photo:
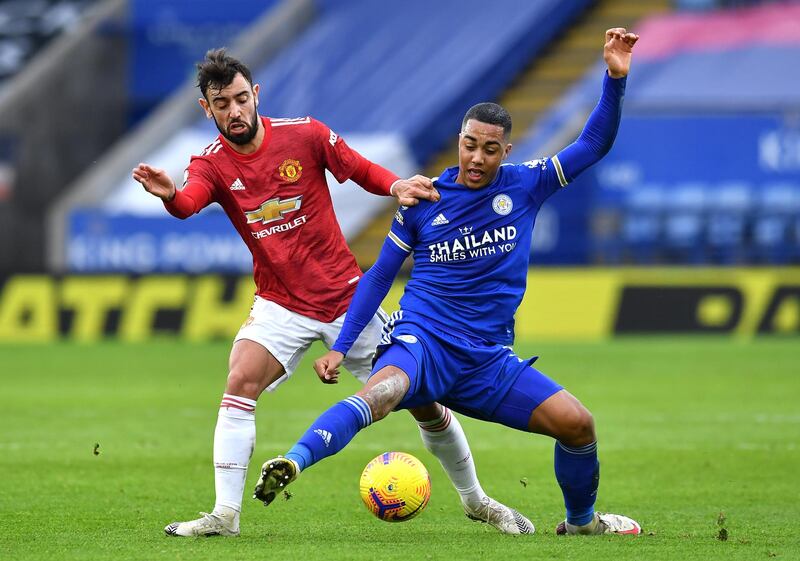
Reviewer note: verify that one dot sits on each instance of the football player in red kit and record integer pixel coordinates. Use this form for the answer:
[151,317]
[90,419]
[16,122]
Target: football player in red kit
[268,175]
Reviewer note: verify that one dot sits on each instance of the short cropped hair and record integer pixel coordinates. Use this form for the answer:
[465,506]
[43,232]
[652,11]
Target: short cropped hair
[219,69]
[490,113]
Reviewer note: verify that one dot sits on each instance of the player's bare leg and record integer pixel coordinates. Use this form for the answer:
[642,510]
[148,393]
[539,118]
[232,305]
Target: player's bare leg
[564,418]
[444,437]
[251,369]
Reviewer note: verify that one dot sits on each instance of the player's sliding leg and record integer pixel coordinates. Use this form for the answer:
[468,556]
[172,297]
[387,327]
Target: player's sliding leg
[443,436]
[252,368]
[332,430]
[577,468]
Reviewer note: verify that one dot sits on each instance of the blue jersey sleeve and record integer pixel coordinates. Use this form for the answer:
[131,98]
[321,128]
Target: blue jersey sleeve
[375,284]
[545,176]
[402,230]
[598,135]
[541,178]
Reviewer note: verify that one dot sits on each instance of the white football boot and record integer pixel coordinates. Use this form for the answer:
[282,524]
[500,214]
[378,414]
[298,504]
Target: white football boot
[603,523]
[225,523]
[505,519]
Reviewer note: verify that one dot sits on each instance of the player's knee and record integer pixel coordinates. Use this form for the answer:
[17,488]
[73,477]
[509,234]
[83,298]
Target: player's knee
[577,427]
[381,403]
[379,411]
[384,391]
[243,384]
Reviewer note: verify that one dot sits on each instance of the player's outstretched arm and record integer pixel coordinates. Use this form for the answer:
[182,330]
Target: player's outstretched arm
[379,180]
[618,50]
[601,128]
[372,289]
[155,181]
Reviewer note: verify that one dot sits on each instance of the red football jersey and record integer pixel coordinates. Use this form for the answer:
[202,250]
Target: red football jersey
[278,200]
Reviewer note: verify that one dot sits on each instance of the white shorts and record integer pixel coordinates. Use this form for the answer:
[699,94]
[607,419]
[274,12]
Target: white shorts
[287,336]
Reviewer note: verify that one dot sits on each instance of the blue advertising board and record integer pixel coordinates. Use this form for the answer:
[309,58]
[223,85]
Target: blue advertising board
[102,242]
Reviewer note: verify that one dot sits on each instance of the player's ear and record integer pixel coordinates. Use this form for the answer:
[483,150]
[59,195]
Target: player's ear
[255,92]
[204,104]
[508,150]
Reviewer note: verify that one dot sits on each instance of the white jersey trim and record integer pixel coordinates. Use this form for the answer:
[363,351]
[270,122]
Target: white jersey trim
[399,243]
[285,122]
[212,148]
[562,179]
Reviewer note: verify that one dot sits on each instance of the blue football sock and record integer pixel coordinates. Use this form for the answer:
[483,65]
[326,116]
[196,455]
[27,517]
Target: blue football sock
[331,431]
[578,474]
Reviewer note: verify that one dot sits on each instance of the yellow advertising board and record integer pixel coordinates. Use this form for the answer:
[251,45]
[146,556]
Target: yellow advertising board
[560,304]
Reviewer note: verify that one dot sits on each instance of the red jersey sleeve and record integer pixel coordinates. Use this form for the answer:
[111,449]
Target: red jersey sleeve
[345,163]
[196,193]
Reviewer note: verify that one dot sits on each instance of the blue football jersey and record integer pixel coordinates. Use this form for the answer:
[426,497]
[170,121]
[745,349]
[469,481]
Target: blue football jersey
[471,249]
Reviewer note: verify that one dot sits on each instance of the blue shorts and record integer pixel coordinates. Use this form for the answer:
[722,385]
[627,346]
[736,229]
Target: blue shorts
[478,379]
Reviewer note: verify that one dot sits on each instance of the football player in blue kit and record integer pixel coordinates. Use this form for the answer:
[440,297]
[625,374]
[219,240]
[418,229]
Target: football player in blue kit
[450,341]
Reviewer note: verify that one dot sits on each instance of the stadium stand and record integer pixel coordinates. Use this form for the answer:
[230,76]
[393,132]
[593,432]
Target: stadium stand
[374,73]
[371,71]
[532,93]
[73,91]
[51,124]
[28,25]
[713,84]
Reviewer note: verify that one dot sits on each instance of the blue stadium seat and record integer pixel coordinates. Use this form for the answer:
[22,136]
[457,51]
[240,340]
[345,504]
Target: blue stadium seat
[684,223]
[643,224]
[777,209]
[729,209]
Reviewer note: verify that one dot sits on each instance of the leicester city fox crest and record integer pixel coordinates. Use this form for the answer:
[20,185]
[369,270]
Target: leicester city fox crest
[502,204]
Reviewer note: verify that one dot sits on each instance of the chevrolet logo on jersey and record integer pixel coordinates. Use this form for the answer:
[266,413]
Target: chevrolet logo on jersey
[273,209]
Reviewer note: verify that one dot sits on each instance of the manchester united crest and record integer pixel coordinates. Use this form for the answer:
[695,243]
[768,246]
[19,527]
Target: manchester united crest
[290,170]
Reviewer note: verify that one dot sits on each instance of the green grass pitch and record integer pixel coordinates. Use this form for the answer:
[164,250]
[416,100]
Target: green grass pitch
[699,441]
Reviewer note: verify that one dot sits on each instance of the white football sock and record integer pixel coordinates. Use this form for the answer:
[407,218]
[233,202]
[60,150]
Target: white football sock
[445,439]
[234,440]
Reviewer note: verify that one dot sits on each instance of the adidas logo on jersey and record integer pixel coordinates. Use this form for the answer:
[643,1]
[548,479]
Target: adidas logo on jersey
[325,435]
[237,185]
[439,220]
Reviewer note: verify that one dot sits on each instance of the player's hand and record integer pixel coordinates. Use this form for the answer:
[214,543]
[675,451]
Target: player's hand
[327,367]
[408,192]
[617,51]
[155,181]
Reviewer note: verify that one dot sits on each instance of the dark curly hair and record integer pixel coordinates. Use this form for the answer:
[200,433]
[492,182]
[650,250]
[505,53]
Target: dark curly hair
[219,69]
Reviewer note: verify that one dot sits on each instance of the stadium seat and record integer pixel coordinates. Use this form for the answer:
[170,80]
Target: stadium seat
[643,223]
[726,227]
[685,223]
[773,224]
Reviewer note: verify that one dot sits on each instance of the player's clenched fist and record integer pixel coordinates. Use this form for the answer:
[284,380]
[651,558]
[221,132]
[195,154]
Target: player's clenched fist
[327,367]
[617,51]
[155,181]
